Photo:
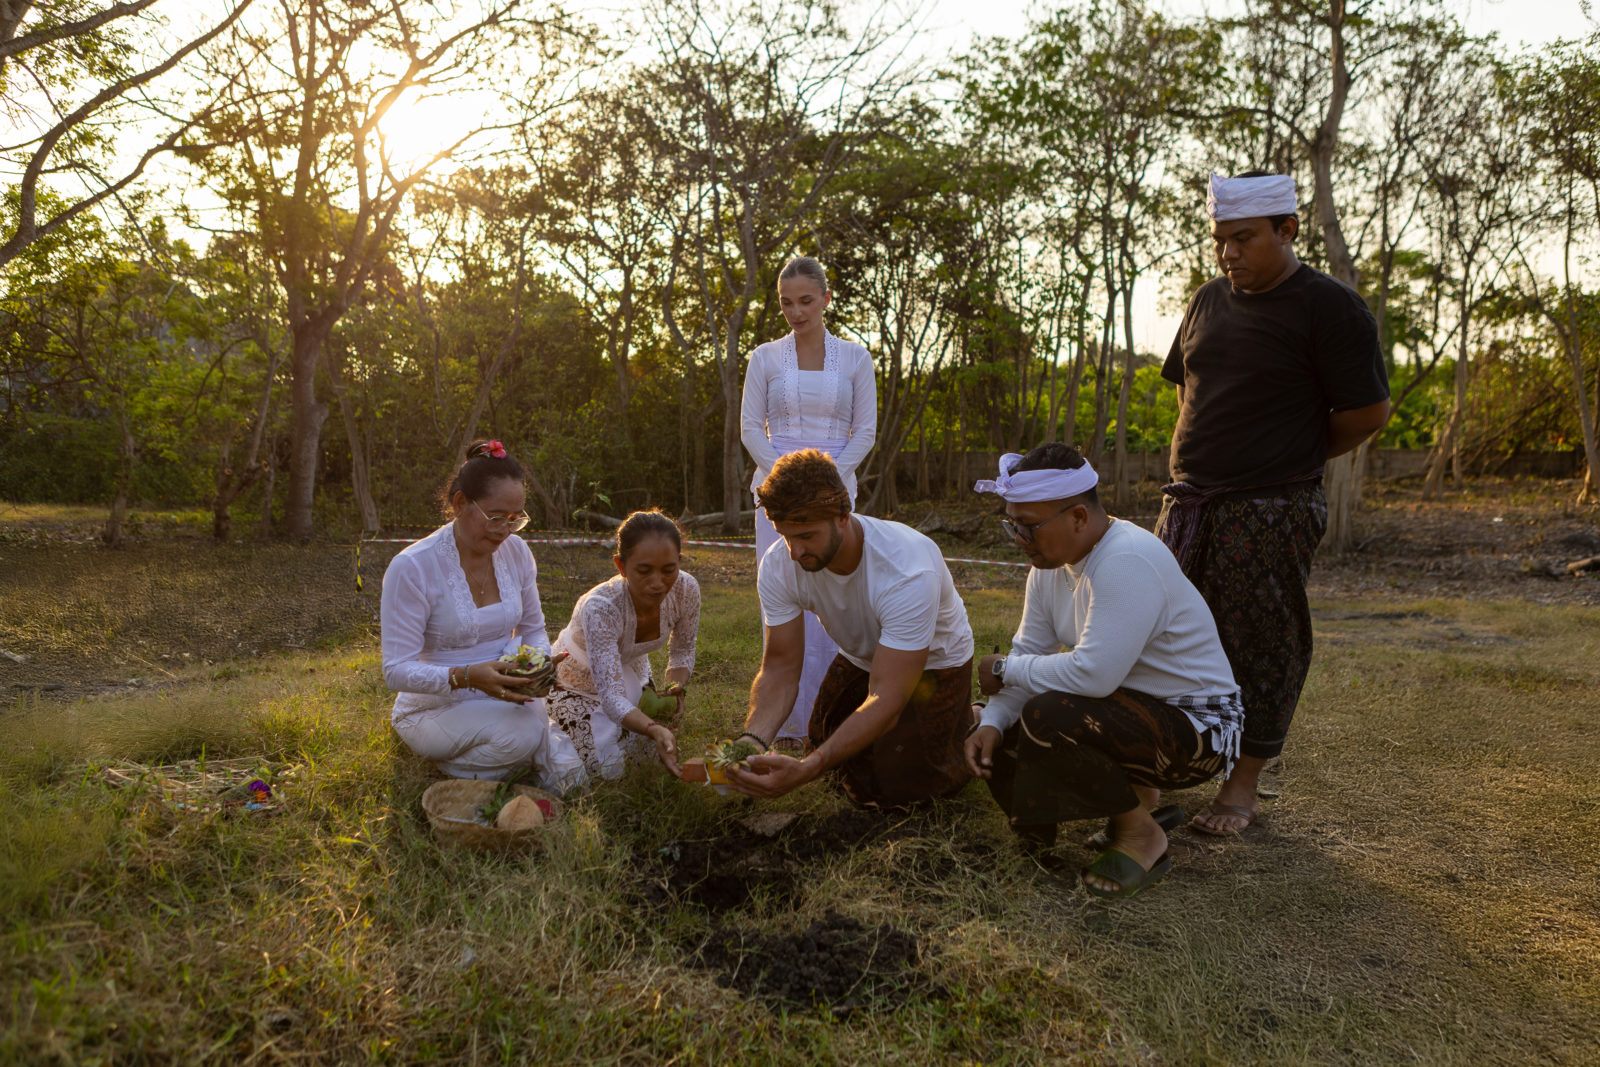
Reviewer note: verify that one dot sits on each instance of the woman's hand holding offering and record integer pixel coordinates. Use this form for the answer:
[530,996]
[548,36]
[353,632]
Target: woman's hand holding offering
[490,680]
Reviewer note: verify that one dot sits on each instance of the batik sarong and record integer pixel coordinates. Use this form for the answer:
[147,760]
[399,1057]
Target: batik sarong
[1076,757]
[921,757]
[1249,553]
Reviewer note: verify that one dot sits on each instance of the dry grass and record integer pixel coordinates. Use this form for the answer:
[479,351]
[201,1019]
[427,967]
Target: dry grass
[1422,889]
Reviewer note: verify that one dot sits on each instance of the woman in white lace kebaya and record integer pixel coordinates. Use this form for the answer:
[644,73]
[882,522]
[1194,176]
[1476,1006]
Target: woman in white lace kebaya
[807,390]
[614,628]
[455,601]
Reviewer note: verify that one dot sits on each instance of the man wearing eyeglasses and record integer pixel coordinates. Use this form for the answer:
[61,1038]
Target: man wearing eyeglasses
[1115,686]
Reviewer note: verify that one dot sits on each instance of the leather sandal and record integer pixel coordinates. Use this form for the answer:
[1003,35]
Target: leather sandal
[1169,817]
[1131,878]
[1233,810]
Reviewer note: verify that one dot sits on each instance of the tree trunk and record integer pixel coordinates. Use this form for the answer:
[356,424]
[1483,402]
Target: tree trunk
[268,485]
[305,442]
[1434,482]
[1336,485]
[113,533]
[1120,492]
[360,470]
[923,490]
[1339,473]
[231,483]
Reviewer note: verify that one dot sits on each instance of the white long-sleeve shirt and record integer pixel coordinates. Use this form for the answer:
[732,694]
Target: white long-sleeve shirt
[430,623]
[786,408]
[1127,618]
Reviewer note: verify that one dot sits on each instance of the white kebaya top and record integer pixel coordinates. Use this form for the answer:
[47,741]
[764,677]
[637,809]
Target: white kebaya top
[606,662]
[430,623]
[786,409]
[900,595]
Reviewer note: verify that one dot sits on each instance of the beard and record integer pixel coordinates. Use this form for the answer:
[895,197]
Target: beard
[825,557]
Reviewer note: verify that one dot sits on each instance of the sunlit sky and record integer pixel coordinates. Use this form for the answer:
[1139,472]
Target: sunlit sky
[1526,21]
[948,26]
[952,24]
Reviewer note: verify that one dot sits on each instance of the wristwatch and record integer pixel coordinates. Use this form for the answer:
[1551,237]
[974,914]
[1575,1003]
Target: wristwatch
[998,669]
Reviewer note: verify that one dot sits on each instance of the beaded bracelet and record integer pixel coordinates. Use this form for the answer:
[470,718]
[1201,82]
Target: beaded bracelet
[764,745]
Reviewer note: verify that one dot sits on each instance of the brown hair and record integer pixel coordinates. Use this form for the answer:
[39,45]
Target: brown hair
[804,486]
[807,267]
[642,524]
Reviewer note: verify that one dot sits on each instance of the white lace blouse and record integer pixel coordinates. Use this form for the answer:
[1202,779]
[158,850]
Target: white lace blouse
[431,624]
[606,662]
[786,408]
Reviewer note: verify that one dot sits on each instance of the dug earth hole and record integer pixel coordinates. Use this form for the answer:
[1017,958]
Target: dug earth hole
[836,965]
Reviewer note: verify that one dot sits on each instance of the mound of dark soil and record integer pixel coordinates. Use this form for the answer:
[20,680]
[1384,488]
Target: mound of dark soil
[724,872]
[837,964]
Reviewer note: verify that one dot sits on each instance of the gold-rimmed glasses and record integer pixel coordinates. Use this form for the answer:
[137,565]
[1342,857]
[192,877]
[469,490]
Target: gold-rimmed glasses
[512,522]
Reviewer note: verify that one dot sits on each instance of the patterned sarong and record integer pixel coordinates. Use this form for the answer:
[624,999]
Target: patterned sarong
[1249,553]
[921,757]
[1077,757]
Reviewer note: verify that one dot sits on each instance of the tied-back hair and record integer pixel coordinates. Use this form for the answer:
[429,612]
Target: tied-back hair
[643,524]
[804,486]
[1056,456]
[478,470]
[807,267]
[1275,221]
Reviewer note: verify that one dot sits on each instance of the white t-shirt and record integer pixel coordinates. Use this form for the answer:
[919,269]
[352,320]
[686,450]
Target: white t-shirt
[1127,617]
[900,596]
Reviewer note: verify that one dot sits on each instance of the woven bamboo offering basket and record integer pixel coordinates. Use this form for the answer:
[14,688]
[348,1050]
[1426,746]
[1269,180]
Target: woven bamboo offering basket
[452,809]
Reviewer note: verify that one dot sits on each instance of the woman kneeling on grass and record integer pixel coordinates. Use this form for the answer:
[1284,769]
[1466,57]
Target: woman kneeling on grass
[614,628]
[453,603]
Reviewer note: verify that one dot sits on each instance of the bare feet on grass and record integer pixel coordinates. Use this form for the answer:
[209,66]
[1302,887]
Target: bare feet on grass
[1137,835]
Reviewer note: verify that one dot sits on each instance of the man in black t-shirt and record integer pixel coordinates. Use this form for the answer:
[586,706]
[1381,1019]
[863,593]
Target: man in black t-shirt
[1278,369]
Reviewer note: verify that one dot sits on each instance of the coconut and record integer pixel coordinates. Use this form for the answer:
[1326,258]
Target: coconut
[520,813]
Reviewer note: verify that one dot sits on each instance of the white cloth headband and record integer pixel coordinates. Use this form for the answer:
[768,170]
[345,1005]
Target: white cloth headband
[1250,198]
[1027,487]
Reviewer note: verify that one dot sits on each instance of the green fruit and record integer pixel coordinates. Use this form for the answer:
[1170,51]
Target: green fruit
[657,705]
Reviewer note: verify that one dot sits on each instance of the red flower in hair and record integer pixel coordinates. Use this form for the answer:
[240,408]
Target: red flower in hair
[493,448]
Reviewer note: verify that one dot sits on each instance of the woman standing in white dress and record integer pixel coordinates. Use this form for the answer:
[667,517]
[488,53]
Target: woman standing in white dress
[607,644]
[452,604]
[807,390]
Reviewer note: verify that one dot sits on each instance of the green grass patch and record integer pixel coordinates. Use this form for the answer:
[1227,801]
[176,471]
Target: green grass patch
[1421,889]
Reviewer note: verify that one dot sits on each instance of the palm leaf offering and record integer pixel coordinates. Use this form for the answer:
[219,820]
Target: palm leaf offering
[726,754]
[528,662]
[525,662]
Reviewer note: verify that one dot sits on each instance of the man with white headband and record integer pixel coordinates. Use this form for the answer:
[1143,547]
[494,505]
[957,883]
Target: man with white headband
[1115,685]
[1278,369]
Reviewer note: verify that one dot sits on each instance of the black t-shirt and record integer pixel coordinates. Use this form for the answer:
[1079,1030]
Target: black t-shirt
[1260,374]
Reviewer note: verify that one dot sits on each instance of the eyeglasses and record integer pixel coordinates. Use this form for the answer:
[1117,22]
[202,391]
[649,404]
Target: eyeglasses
[513,522]
[1020,531]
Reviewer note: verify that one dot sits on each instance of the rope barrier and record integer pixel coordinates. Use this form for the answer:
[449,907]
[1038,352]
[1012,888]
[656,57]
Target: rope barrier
[607,542]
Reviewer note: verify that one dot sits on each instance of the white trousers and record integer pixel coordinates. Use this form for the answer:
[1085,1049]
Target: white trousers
[820,649]
[482,737]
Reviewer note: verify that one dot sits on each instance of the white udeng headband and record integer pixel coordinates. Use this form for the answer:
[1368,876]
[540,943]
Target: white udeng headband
[1027,487]
[1250,198]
